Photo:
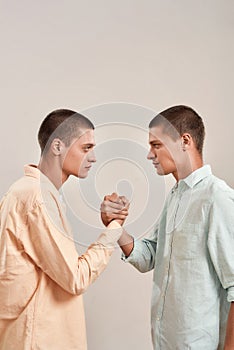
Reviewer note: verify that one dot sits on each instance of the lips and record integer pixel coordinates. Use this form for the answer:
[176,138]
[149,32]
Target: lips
[155,164]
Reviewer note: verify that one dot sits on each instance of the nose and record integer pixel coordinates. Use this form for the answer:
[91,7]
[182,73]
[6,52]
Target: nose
[151,155]
[92,157]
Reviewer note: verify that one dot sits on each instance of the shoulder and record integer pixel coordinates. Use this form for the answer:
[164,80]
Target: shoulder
[219,191]
[24,192]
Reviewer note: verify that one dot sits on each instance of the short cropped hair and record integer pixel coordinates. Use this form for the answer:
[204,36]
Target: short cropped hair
[181,119]
[63,124]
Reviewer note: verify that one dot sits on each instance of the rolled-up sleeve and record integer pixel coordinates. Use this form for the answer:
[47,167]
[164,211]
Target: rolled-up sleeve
[54,252]
[221,239]
[142,256]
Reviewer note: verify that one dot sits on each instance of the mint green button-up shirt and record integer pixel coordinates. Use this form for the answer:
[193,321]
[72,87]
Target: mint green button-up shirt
[192,253]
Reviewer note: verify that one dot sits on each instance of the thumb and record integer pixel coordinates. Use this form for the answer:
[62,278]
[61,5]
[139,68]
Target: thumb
[114,197]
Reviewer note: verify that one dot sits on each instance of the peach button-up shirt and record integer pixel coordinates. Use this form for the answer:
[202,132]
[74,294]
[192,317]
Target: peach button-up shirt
[42,277]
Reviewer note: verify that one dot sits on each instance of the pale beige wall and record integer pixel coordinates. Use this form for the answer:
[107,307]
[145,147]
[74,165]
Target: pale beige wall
[80,54]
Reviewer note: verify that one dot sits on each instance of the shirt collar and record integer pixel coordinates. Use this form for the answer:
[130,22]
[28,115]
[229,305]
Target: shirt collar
[197,175]
[33,171]
[192,179]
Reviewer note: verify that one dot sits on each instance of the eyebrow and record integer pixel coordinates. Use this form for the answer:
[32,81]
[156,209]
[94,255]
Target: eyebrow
[155,141]
[89,144]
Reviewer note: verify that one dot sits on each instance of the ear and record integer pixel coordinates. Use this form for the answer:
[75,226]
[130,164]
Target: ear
[186,140]
[57,147]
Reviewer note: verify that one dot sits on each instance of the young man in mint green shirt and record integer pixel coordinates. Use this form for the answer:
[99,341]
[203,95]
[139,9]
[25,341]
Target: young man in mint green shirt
[191,249]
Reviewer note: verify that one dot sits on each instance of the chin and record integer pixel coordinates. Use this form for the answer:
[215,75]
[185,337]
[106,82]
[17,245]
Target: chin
[82,176]
[161,172]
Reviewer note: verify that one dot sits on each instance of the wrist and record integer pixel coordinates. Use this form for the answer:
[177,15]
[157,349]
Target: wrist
[111,235]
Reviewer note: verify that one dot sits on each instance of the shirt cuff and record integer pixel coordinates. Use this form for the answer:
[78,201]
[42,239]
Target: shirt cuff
[131,257]
[230,294]
[111,235]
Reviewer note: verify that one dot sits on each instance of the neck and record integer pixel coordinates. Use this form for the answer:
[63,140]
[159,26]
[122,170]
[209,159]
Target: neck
[187,168]
[50,167]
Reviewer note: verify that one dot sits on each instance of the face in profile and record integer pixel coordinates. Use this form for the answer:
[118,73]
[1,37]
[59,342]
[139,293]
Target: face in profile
[164,151]
[80,155]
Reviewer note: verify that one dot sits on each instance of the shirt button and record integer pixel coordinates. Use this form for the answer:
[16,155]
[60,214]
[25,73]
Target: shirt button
[158,318]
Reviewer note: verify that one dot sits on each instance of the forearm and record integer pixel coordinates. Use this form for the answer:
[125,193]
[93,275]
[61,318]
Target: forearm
[139,253]
[229,341]
[95,259]
[126,243]
[54,252]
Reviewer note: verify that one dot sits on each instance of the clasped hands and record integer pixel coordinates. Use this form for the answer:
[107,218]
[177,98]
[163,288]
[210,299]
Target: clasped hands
[114,207]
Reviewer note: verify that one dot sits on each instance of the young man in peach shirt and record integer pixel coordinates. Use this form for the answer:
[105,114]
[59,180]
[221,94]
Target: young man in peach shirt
[42,278]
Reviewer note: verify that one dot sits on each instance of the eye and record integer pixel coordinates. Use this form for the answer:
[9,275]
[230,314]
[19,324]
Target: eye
[87,148]
[156,145]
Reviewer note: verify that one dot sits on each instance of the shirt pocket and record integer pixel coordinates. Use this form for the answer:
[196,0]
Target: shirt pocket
[187,242]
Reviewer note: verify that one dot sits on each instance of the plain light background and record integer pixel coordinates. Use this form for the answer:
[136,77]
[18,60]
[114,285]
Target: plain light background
[83,55]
